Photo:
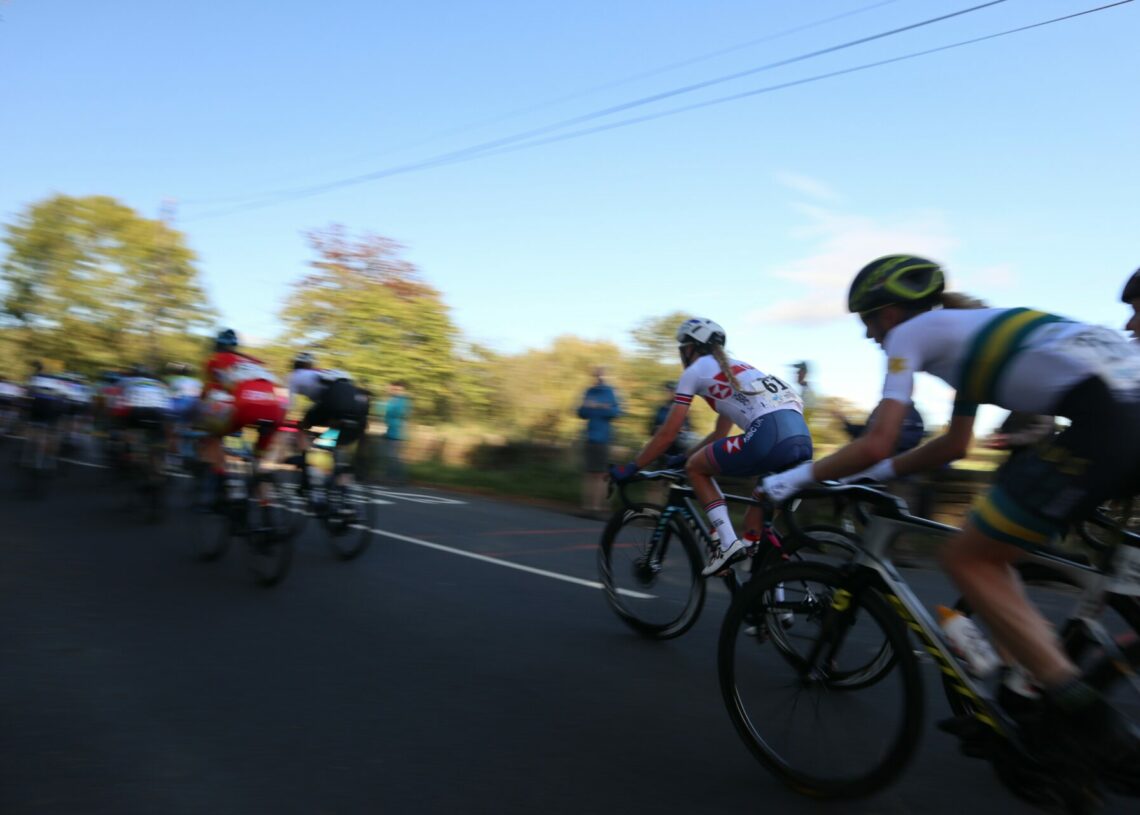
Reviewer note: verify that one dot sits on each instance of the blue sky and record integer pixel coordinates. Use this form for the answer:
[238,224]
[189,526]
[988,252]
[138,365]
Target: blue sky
[1013,161]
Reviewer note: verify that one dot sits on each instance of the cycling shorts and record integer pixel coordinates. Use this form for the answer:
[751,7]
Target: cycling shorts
[251,403]
[774,442]
[340,400]
[183,409]
[46,409]
[151,420]
[1045,489]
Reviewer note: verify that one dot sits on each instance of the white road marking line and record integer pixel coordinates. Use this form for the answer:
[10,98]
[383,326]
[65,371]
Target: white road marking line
[451,550]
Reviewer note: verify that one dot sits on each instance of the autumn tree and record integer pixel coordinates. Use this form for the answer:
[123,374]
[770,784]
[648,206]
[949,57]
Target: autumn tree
[367,310]
[90,283]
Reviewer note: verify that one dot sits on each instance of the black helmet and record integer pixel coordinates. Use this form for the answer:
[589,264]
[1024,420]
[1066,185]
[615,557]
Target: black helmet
[303,360]
[1131,288]
[895,279]
[227,338]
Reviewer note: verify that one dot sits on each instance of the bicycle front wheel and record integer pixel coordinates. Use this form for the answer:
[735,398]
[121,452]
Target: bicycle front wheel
[652,575]
[269,548]
[784,704]
[352,517]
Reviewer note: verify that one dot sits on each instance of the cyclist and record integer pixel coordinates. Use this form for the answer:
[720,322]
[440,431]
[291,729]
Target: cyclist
[768,412]
[238,391]
[142,408]
[185,391]
[334,398]
[1018,359]
[46,403]
[1131,297]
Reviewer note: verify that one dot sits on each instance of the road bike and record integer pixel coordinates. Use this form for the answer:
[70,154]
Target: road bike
[650,556]
[250,508]
[345,508]
[799,713]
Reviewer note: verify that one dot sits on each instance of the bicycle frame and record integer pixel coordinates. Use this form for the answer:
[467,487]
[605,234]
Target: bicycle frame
[682,502]
[873,568]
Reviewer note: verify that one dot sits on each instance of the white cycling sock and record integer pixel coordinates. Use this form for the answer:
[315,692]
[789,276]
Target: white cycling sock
[718,514]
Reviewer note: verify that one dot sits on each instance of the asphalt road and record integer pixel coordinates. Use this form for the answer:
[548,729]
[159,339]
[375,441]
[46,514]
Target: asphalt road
[466,663]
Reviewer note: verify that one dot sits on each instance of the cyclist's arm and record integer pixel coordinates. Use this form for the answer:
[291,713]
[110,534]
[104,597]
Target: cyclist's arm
[939,451]
[722,428]
[663,438]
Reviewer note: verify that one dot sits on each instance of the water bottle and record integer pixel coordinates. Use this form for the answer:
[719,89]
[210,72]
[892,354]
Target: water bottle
[316,487]
[969,643]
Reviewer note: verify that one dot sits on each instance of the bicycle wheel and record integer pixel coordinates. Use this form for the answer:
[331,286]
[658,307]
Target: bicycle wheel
[833,546]
[784,707]
[269,549]
[210,530]
[824,542]
[289,500]
[352,517]
[654,586]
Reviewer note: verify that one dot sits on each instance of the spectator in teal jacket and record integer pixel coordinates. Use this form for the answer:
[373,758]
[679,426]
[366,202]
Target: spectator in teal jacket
[397,408]
[599,408]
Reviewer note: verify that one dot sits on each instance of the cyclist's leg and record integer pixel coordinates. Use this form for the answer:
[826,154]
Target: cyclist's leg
[1034,498]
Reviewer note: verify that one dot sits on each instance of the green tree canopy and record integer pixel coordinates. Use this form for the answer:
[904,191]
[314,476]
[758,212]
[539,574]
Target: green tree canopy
[365,309]
[91,284]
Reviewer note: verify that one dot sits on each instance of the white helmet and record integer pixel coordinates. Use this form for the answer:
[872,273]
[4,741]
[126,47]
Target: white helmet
[700,331]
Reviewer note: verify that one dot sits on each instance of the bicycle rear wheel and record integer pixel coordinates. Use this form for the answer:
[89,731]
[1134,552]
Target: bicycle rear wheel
[655,586]
[784,705]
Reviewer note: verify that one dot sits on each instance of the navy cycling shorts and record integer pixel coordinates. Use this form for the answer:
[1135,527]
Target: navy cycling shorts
[774,442]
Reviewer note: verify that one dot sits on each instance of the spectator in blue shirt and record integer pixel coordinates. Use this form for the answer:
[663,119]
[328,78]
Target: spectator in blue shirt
[599,408]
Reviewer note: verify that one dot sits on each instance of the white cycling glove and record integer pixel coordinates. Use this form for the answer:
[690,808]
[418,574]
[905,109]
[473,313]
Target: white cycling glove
[883,471]
[781,486]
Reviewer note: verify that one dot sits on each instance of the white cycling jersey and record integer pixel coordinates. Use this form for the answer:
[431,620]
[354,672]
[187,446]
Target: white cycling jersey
[760,393]
[144,392]
[311,382]
[1017,359]
[185,387]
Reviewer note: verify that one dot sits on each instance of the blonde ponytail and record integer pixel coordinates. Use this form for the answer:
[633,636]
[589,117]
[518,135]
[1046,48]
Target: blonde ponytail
[958,300]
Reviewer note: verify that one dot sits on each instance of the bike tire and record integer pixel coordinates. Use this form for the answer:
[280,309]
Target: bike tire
[624,550]
[348,539]
[835,546]
[269,550]
[741,661]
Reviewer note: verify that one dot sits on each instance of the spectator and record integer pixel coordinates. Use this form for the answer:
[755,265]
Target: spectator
[915,489]
[807,392]
[397,408]
[684,437]
[599,408]
[910,436]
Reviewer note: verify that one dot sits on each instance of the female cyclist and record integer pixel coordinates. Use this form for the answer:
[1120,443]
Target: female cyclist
[1018,359]
[768,411]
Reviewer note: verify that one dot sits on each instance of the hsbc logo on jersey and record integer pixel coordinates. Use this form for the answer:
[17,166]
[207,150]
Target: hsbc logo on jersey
[733,445]
[719,390]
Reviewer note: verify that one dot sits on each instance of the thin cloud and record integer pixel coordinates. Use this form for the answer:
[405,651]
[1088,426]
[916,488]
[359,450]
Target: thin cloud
[806,185]
[843,244]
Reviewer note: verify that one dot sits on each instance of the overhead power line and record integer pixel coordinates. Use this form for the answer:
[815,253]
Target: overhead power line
[463,153]
[509,145]
[570,97]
